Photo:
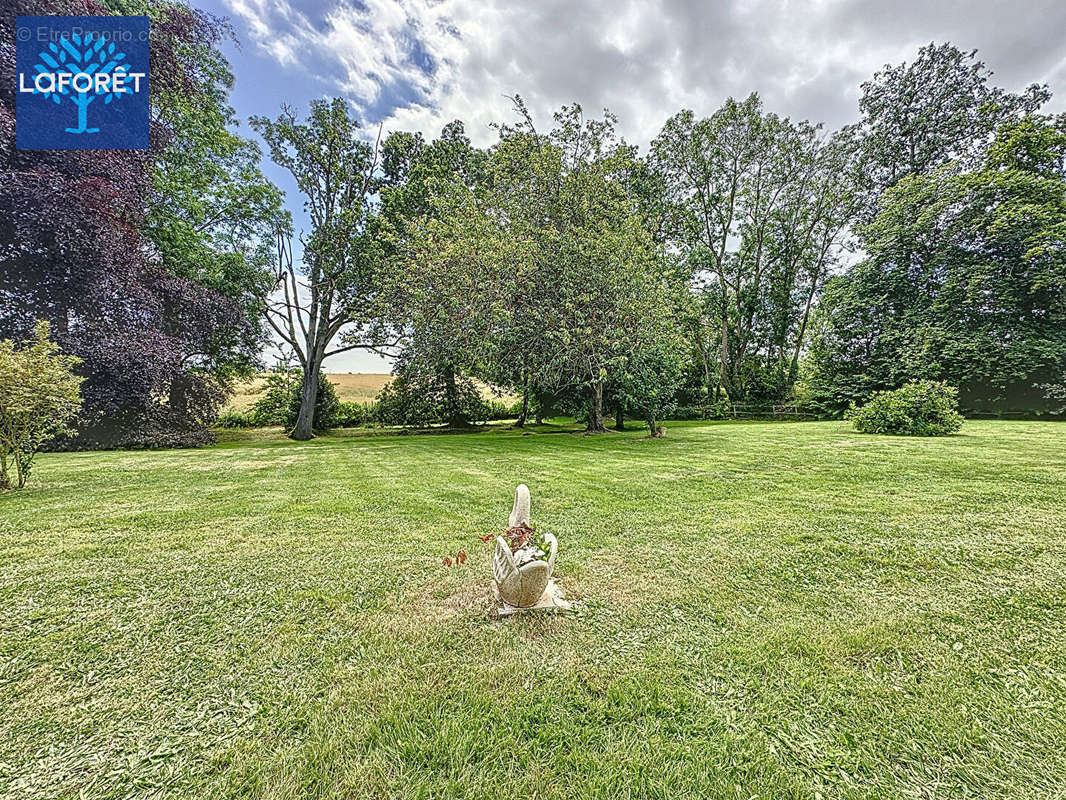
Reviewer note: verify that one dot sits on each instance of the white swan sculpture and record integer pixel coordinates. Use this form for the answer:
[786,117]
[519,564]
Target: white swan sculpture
[521,581]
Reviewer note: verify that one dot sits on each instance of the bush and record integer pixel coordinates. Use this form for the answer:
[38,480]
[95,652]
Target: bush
[419,400]
[720,409]
[351,414]
[39,396]
[497,409]
[280,404]
[236,419]
[401,403]
[1055,397]
[919,408]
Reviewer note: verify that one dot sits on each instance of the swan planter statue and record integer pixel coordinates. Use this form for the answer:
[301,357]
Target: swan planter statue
[522,575]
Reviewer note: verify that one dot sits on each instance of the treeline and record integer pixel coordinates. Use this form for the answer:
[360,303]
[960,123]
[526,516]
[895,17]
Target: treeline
[742,258]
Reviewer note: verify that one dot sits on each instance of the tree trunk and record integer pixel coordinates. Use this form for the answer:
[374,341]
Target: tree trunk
[595,424]
[723,371]
[655,430]
[453,413]
[525,402]
[705,360]
[305,421]
[793,367]
[619,418]
[5,481]
[22,466]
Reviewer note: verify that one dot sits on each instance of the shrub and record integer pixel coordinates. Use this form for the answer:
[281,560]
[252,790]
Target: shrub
[919,408]
[236,419]
[720,409]
[280,403]
[39,395]
[401,403]
[420,400]
[498,409]
[1055,397]
[351,414]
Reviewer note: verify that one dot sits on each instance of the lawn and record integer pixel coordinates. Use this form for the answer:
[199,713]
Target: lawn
[762,610]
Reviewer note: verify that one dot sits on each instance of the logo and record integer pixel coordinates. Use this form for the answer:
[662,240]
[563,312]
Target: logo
[81,83]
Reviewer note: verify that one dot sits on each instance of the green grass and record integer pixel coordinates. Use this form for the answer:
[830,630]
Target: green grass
[763,610]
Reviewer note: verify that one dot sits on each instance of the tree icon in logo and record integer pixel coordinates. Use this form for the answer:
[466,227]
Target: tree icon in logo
[82,69]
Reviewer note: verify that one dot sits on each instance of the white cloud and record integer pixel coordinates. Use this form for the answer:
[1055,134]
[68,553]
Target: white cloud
[418,64]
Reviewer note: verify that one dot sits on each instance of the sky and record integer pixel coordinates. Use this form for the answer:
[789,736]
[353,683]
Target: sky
[418,64]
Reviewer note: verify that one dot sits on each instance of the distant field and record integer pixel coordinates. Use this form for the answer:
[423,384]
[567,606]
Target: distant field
[361,387]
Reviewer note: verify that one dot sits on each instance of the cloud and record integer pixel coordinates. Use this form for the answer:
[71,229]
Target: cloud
[417,64]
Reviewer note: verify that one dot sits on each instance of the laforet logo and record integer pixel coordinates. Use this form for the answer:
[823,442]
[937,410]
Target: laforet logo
[82,83]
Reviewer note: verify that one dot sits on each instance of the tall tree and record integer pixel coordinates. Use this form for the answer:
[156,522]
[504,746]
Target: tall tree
[428,199]
[940,108]
[965,282]
[757,207]
[592,258]
[541,273]
[336,281]
[647,380]
[151,337]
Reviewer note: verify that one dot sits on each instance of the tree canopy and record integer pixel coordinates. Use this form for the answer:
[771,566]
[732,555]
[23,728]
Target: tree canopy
[745,258]
[145,279]
[964,282]
[540,273]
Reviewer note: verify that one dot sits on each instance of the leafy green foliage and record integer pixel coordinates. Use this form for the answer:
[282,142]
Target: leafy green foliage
[233,418]
[39,396]
[352,414]
[280,402]
[534,271]
[438,298]
[421,399]
[277,409]
[1055,395]
[646,382]
[212,216]
[964,282]
[758,208]
[937,110]
[919,408]
[498,409]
